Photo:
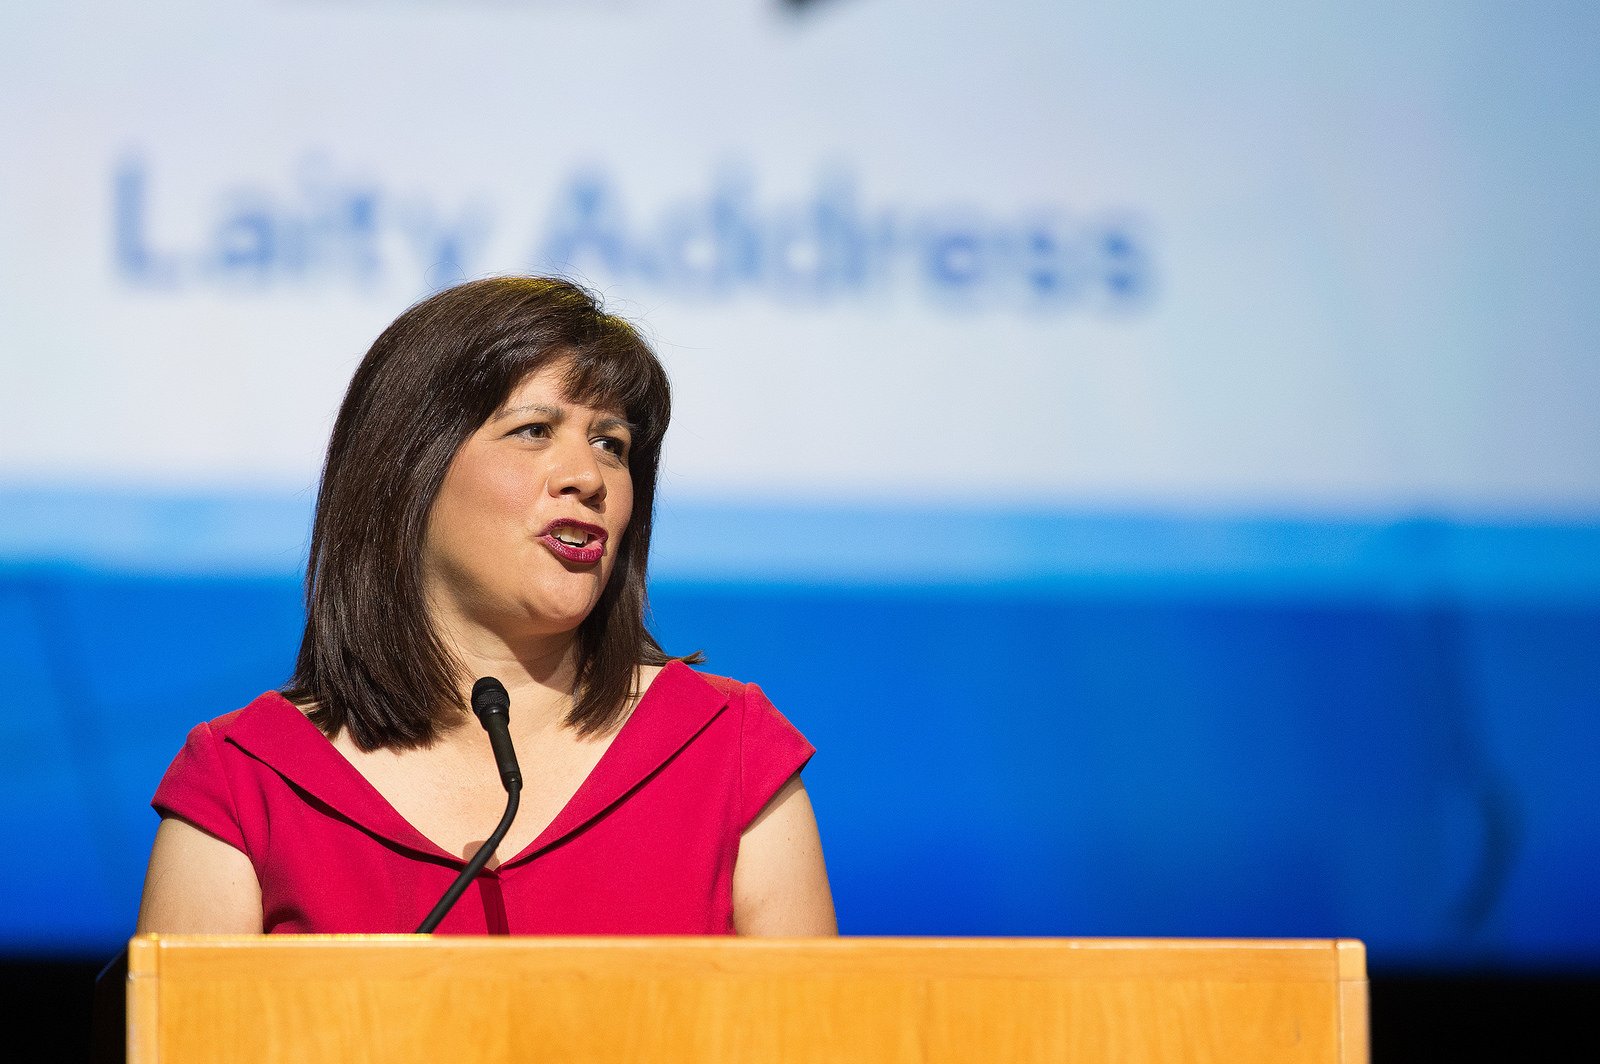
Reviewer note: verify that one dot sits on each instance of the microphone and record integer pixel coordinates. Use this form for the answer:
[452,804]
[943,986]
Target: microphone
[492,706]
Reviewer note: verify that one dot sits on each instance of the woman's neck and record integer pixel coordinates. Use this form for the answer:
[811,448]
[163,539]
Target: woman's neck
[539,674]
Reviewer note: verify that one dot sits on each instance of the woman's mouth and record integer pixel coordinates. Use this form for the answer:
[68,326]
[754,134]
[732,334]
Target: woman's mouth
[574,541]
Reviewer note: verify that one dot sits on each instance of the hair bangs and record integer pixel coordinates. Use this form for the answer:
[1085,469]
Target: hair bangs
[621,374]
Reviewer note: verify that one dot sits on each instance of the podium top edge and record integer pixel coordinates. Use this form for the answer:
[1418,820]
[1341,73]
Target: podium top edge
[1342,960]
[1352,950]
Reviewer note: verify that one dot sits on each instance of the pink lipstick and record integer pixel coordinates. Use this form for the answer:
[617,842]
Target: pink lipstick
[574,541]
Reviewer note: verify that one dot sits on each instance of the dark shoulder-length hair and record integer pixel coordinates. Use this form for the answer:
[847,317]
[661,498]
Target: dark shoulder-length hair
[370,660]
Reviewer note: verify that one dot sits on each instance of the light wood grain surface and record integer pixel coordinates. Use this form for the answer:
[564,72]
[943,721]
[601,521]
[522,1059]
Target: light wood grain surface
[403,998]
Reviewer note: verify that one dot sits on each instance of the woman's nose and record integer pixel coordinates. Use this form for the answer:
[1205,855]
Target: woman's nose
[577,472]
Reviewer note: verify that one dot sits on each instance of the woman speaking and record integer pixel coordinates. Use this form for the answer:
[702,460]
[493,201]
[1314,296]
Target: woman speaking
[485,511]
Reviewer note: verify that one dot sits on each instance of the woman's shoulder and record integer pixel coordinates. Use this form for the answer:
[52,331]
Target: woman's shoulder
[692,690]
[265,709]
[262,732]
[723,685]
[769,748]
[749,702]
[241,756]
[206,779]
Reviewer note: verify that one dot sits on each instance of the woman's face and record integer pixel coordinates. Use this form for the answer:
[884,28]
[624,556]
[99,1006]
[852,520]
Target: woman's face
[529,520]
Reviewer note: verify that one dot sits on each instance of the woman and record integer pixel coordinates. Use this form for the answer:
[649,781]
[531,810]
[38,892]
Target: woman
[485,510]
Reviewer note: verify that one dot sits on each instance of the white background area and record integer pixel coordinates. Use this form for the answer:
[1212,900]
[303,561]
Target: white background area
[1370,238]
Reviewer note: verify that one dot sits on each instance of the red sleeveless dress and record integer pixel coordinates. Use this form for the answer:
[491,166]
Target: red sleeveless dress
[646,846]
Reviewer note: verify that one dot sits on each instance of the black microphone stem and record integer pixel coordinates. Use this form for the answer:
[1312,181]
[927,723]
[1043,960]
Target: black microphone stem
[492,706]
[474,866]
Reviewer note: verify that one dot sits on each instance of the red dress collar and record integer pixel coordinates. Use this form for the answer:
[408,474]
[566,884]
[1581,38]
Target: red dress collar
[675,708]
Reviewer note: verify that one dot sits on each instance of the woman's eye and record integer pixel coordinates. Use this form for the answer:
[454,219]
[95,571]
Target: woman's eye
[615,446]
[535,431]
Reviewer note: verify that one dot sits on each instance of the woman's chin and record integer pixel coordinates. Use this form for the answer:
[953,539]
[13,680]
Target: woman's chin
[554,614]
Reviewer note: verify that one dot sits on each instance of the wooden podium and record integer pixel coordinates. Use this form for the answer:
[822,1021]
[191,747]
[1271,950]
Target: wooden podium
[404,998]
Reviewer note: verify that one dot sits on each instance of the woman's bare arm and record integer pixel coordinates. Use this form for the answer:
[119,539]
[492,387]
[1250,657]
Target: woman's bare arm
[198,884]
[780,885]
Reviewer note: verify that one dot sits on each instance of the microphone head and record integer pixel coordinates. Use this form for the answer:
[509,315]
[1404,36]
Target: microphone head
[489,697]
